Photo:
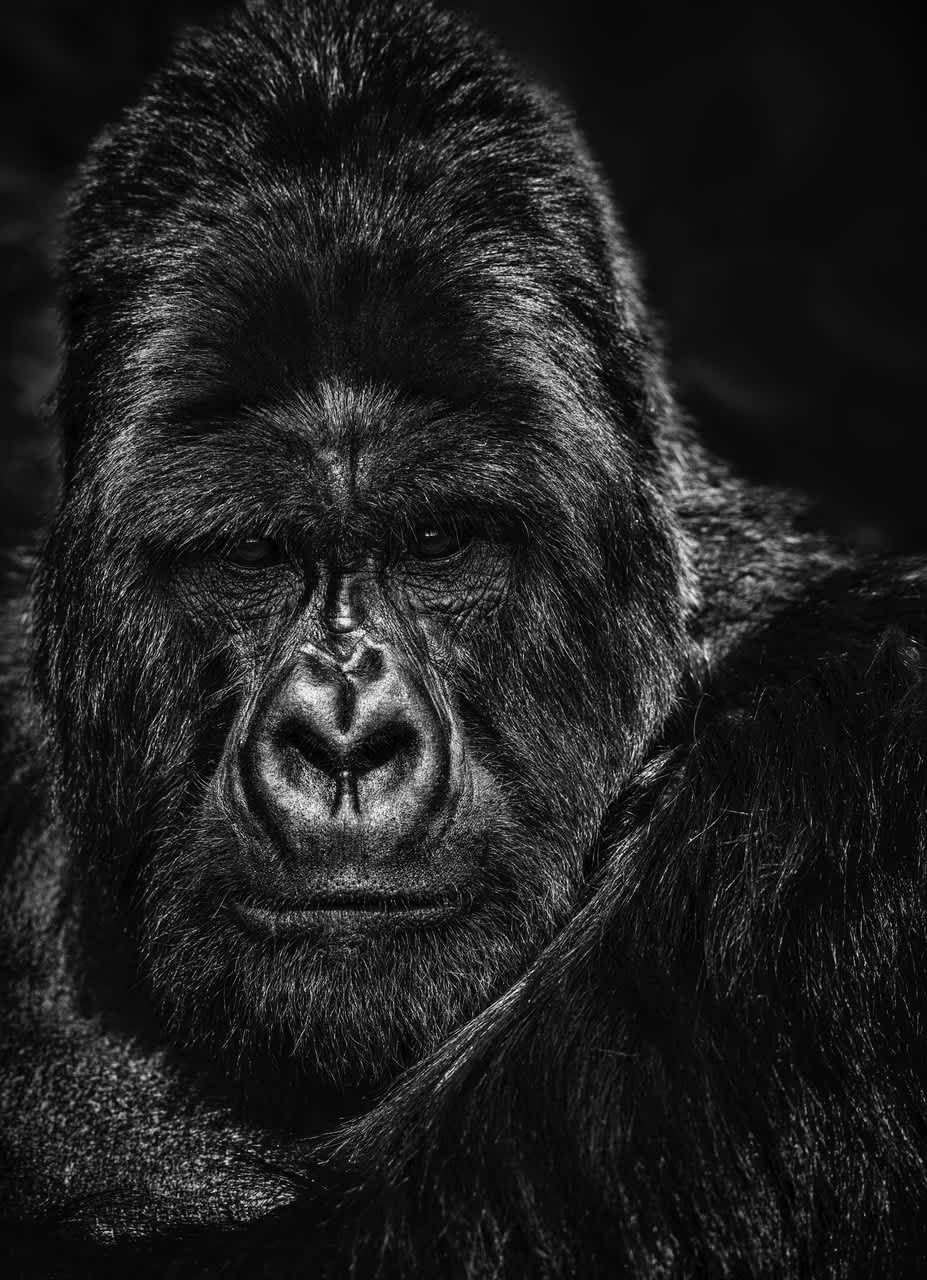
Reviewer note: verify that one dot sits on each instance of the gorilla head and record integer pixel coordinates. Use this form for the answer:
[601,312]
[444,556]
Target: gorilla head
[365,593]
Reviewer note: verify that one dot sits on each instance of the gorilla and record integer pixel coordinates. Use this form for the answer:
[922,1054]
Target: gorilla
[455,826]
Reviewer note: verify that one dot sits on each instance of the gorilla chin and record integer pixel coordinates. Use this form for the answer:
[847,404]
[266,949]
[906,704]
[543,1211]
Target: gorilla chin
[344,987]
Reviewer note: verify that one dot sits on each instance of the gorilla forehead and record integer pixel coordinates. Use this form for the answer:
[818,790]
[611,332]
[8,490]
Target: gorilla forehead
[344,451]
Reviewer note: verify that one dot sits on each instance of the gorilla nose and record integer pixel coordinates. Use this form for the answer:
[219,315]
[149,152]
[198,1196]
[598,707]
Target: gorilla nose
[347,728]
[347,759]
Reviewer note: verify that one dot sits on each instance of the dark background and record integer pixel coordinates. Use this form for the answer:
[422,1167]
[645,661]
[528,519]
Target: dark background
[768,162]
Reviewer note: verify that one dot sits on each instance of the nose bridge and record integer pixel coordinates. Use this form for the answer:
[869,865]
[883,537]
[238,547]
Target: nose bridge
[345,663]
[346,603]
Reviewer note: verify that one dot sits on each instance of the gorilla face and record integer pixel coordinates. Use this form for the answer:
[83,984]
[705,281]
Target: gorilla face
[364,596]
[391,828]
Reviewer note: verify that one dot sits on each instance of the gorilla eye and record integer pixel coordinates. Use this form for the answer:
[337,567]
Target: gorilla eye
[254,553]
[434,542]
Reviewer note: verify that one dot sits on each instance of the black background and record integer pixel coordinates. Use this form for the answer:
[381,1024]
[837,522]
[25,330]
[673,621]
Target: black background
[768,163]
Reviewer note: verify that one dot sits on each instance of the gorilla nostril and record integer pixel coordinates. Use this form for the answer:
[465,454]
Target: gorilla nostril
[311,749]
[393,744]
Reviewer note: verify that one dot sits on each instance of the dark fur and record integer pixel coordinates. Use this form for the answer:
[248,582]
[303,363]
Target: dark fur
[681,1032]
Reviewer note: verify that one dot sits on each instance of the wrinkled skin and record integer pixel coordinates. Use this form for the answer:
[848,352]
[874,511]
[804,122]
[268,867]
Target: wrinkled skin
[412,692]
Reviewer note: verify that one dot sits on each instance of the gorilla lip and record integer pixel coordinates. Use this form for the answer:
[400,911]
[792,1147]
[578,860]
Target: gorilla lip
[346,910]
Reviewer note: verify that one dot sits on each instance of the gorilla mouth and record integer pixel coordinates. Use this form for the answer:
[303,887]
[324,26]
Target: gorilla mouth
[347,910]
